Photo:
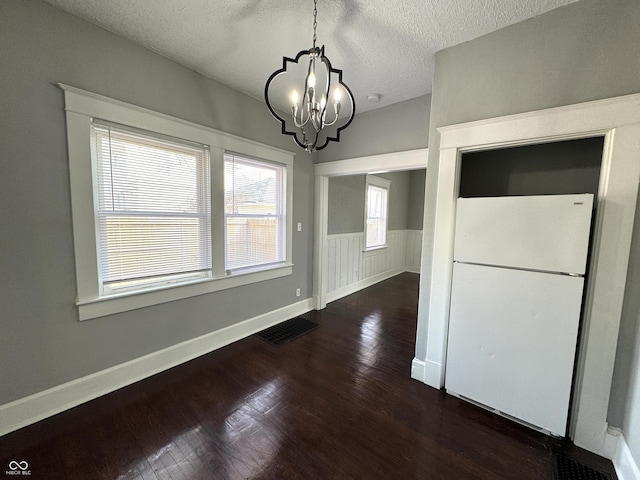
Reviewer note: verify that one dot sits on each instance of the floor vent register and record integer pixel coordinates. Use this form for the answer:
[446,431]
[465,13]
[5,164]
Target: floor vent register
[287,331]
[568,469]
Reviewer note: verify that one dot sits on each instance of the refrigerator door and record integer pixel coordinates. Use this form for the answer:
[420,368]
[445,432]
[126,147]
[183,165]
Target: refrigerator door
[512,341]
[545,232]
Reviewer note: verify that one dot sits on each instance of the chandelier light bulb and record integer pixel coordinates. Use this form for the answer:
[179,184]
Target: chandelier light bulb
[312,80]
[294,98]
[337,95]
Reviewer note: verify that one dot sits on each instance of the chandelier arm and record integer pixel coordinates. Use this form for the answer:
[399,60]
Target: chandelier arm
[331,123]
[315,123]
[302,123]
[322,113]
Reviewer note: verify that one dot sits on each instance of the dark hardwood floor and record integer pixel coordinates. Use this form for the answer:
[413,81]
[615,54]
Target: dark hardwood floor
[337,403]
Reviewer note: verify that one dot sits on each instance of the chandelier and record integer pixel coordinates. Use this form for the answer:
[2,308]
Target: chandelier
[323,97]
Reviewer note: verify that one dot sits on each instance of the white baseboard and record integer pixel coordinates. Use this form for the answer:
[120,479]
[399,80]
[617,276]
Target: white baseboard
[362,284]
[427,372]
[36,407]
[433,374]
[412,269]
[611,442]
[418,370]
[317,302]
[623,461]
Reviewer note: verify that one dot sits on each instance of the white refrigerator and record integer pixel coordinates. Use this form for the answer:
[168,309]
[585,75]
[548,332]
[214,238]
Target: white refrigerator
[516,297]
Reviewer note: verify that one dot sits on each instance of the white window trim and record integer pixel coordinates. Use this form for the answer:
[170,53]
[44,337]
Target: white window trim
[81,107]
[282,210]
[382,183]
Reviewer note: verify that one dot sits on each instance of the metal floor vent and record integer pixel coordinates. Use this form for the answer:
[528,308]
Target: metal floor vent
[286,331]
[568,469]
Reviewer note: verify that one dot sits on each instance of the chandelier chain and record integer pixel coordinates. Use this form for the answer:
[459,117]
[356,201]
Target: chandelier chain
[315,22]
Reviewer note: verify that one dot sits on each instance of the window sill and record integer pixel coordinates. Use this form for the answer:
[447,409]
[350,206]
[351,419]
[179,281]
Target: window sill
[123,302]
[374,251]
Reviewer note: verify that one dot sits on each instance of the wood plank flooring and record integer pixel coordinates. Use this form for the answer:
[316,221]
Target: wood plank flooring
[337,403]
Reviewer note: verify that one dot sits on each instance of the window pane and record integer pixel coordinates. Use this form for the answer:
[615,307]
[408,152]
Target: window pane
[153,219]
[250,187]
[376,224]
[151,245]
[254,212]
[252,241]
[375,202]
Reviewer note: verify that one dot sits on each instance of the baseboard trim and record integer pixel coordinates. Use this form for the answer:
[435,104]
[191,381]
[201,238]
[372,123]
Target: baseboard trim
[418,368]
[317,303]
[362,284]
[611,441]
[427,372]
[412,269]
[623,461]
[433,374]
[36,407]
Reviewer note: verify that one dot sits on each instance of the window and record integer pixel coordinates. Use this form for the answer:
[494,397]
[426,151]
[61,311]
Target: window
[254,213]
[153,209]
[376,206]
[162,210]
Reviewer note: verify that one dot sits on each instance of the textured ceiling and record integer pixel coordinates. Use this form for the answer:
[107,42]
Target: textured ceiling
[383,46]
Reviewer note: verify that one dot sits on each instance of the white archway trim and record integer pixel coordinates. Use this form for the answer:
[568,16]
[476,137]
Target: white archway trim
[386,162]
[618,120]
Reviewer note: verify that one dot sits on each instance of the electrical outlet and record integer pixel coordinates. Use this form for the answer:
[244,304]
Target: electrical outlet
[299,226]
[297,292]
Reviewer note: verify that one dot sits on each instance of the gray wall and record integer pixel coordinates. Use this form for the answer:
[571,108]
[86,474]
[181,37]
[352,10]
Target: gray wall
[398,127]
[42,343]
[395,128]
[347,201]
[546,169]
[398,199]
[345,210]
[415,214]
[625,391]
[585,51]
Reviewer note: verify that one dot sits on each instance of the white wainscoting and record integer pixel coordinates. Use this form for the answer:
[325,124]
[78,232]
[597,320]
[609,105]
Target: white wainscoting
[344,259]
[413,252]
[351,269]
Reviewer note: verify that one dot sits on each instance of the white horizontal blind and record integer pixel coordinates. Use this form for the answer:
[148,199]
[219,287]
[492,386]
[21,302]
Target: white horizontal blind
[376,216]
[153,209]
[255,227]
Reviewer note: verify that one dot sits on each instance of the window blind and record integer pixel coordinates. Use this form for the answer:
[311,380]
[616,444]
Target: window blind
[153,208]
[255,226]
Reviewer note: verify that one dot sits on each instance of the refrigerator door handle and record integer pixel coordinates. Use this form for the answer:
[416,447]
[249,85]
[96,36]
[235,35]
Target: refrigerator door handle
[550,272]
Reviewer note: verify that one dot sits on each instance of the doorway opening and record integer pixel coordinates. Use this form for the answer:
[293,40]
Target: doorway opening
[341,264]
[528,202]
[618,121]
